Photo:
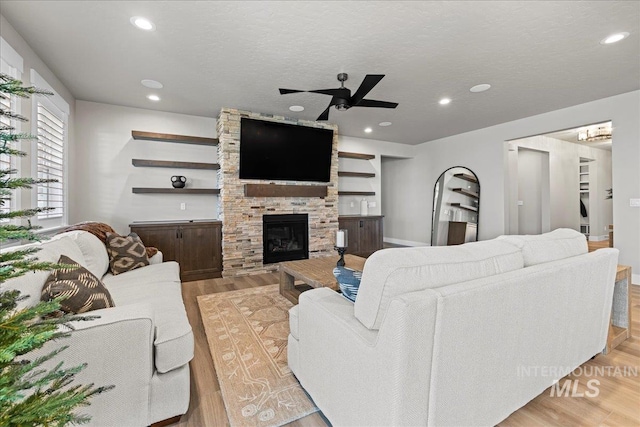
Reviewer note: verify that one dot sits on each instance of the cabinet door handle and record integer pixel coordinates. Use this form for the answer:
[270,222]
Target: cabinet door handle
[177,234]
[361,224]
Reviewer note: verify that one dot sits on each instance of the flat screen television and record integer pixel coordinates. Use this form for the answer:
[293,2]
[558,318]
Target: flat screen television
[279,151]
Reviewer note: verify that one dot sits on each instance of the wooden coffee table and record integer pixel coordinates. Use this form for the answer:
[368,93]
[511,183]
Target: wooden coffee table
[314,272]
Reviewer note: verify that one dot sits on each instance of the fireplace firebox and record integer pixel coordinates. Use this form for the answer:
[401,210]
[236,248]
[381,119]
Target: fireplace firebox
[285,237]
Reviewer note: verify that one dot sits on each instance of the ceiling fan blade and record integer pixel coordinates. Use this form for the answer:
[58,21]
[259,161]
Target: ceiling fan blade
[325,115]
[369,82]
[332,92]
[374,103]
[286,91]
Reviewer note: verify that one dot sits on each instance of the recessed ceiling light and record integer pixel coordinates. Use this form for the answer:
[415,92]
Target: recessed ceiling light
[368,130]
[155,98]
[444,101]
[142,23]
[614,38]
[153,84]
[480,88]
[296,108]
[384,124]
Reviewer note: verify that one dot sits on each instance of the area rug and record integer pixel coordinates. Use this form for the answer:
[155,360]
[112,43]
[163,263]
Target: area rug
[247,332]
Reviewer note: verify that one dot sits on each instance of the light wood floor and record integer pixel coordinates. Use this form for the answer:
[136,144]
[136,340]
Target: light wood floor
[617,405]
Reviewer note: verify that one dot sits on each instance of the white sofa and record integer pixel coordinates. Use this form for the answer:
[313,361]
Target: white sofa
[143,345]
[453,336]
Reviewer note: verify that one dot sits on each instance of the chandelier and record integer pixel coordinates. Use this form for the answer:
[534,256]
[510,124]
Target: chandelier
[597,134]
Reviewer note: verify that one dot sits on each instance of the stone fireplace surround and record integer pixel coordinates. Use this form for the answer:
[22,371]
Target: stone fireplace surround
[241,216]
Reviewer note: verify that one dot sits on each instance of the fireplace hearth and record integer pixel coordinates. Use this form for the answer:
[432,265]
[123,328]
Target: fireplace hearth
[285,237]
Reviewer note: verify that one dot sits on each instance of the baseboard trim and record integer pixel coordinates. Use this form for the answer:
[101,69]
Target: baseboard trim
[602,238]
[404,242]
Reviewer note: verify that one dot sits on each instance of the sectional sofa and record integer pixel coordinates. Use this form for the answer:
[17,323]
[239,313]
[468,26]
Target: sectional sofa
[143,345]
[453,336]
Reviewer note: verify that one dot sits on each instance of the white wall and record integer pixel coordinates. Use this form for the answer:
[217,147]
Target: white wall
[366,146]
[484,151]
[104,175]
[402,202]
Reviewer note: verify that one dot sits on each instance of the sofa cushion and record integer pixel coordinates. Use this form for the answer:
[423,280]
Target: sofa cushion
[126,253]
[553,246]
[391,272]
[82,289]
[293,321]
[159,286]
[94,251]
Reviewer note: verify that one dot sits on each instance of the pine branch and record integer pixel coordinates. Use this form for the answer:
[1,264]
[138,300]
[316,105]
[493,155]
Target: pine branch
[15,136]
[13,183]
[13,116]
[13,86]
[5,149]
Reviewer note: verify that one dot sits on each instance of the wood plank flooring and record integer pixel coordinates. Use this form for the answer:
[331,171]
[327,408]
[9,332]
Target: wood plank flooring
[617,405]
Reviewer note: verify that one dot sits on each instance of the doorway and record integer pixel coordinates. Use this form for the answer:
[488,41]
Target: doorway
[562,179]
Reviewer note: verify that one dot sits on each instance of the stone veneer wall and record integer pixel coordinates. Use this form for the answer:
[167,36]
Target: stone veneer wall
[242,216]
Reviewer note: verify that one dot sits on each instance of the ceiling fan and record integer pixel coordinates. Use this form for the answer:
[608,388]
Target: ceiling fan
[342,99]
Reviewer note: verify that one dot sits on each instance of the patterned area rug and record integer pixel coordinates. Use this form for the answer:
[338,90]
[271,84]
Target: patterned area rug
[247,332]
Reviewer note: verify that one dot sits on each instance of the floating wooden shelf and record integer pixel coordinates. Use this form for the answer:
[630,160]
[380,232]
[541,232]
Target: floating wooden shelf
[361,156]
[465,207]
[167,137]
[466,177]
[143,190]
[172,164]
[465,192]
[357,174]
[275,190]
[356,193]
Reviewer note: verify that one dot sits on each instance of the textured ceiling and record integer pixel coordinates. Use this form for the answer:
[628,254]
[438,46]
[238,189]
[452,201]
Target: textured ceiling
[538,57]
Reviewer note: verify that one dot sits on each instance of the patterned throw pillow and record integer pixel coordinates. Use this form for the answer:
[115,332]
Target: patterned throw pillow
[126,253]
[349,281]
[84,291]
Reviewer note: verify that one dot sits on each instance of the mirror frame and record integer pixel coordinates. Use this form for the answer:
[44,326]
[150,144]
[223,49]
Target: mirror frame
[433,211]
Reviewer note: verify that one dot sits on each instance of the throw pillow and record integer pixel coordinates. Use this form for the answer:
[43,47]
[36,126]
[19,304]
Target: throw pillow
[349,281]
[83,291]
[126,253]
[100,230]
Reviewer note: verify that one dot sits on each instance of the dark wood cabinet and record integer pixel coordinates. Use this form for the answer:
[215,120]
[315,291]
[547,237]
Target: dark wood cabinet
[364,233]
[461,232]
[196,246]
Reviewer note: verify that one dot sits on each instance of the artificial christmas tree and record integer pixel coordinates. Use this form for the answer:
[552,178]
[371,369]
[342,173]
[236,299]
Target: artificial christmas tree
[29,393]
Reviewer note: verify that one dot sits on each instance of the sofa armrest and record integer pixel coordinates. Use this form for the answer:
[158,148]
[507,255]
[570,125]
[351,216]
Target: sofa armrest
[156,259]
[337,352]
[118,350]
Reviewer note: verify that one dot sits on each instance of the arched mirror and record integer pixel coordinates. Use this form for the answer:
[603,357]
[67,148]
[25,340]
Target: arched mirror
[456,204]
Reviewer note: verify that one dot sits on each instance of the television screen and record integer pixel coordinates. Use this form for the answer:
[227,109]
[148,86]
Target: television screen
[279,151]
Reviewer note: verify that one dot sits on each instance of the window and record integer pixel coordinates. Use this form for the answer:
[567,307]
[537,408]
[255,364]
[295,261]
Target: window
[49,122]
[10,64]
[6,161]
[50,162]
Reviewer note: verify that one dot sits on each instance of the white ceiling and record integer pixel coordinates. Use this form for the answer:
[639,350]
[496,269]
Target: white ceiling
[538,57]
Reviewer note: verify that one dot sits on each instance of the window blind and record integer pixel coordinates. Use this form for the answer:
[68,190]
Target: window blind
[50,162]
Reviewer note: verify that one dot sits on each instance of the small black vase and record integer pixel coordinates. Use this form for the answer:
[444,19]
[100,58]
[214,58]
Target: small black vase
[178,181]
